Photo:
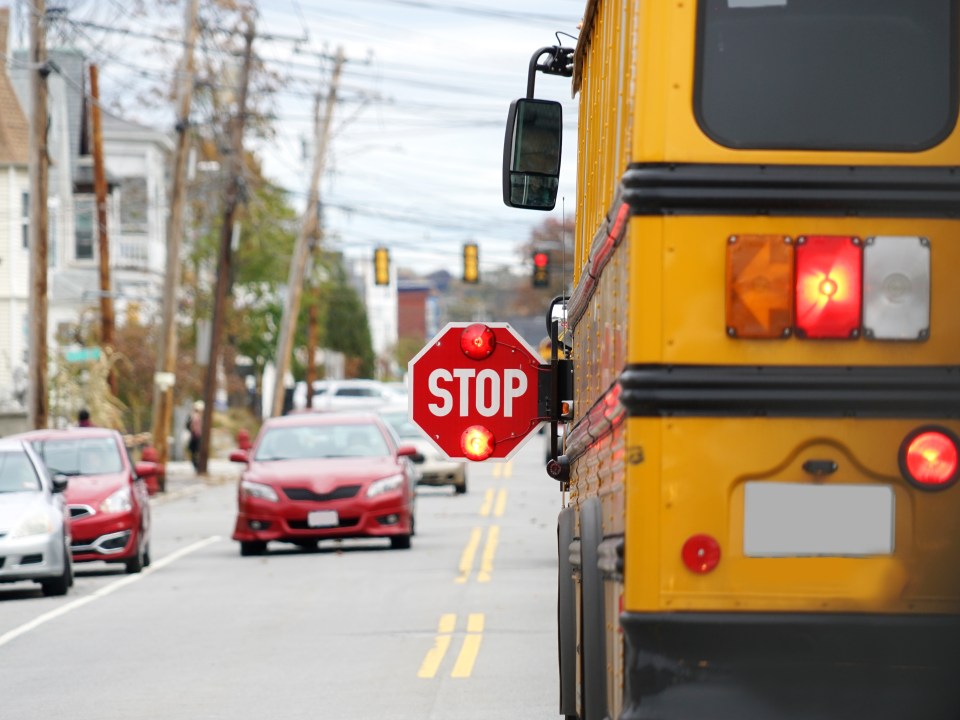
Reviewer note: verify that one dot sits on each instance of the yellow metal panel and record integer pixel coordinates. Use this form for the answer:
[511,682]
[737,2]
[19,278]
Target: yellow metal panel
[669,130]
[692,482]
[694,326]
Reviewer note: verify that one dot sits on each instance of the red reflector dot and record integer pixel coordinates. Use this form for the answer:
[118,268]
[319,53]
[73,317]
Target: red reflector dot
[701,553]
[477,341]
[931,458]
[477,442]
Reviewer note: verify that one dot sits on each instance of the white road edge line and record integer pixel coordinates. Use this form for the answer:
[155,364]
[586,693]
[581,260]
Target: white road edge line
[105,590]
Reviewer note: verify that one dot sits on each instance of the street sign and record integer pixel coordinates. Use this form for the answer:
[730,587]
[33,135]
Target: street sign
[474,390]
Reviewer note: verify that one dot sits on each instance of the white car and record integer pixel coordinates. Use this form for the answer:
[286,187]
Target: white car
[34,524]
[332,395]
[436,468]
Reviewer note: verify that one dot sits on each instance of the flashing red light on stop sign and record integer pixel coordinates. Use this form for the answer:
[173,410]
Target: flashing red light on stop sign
[472,377]
[477,341]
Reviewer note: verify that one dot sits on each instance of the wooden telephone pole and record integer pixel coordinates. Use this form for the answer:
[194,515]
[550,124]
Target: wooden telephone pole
[225,259]
[298,262]
[39,181]
[167,351]
[103,247]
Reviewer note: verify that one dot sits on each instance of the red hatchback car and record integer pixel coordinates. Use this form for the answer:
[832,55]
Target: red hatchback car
[312,477]
[106,495]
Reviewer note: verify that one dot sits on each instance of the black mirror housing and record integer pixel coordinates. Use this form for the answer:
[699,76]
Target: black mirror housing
[531,154]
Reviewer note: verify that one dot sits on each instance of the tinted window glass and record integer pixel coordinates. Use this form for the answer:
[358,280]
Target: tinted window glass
[17,473]
[827,74]
[89,456]
[322,441]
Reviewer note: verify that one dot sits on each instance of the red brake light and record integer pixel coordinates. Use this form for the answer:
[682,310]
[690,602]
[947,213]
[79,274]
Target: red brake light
[477,341]
[477,442]
[828,288]
[929,458]
[701,553]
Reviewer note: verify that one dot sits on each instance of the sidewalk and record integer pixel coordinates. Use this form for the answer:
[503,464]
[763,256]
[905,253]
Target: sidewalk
[182,480]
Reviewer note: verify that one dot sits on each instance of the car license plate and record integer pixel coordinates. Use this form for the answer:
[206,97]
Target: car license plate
[323,518]
[794,519]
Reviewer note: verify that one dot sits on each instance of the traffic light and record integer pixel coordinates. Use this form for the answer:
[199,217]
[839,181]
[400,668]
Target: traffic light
[541,268]
[381,266]
[471,263]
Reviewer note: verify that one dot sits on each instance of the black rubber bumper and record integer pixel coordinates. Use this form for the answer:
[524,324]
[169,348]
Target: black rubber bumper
[791,667]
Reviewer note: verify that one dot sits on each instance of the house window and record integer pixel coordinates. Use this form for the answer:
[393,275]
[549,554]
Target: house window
[83,227]
[25,218]
[133,205]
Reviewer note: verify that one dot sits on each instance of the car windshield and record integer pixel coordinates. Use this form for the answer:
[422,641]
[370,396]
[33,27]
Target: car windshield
[17,473]
[80,456]
[402,424]
[301,442]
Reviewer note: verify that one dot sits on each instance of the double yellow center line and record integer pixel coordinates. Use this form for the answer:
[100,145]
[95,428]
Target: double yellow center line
[463,667]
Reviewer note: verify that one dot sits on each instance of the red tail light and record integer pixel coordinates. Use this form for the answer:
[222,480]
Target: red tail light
[828,288]
[700,553]
[477,442]
[929,458]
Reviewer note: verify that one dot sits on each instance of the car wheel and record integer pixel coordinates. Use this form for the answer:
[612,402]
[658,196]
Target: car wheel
[460,486]
[135,564]
[146,556]
[59,585]
[400,542]
[253,547]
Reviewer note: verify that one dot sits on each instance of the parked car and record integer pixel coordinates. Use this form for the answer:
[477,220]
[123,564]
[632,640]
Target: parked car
[34,526]
[314,476]
[334,395]
[107,495]
[436,468]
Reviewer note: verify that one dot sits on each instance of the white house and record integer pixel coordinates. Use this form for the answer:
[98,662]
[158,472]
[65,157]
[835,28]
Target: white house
[135,160]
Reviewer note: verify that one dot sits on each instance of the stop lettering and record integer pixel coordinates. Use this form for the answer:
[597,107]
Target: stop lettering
[474,390]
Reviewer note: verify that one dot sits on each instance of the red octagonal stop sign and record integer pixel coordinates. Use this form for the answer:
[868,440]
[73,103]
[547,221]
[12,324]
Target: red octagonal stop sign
[474,390]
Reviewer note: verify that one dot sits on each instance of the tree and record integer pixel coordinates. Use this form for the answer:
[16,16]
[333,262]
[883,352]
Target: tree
[345,327]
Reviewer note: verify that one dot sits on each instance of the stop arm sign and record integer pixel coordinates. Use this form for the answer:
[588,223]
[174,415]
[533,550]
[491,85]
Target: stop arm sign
[474,390]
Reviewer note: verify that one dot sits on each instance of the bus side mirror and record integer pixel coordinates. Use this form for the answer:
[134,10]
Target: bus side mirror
[531,154]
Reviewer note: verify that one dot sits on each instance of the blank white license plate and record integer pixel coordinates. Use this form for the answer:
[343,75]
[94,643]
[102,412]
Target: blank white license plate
[793,519]
[323,518]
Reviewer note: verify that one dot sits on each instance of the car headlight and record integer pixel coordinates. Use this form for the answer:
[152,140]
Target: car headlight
[252,489]
[387,484]
[37,522]
[119,501]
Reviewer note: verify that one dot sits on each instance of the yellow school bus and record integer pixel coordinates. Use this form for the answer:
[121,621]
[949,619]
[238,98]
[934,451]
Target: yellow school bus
[761,458]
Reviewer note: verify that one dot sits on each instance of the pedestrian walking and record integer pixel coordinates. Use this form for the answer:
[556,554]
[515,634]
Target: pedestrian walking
[195,426]
[83,418]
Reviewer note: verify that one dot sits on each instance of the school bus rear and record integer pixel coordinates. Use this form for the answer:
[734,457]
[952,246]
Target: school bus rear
[763,516]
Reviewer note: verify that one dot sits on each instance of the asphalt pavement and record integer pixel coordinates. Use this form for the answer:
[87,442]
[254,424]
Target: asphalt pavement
[183,480]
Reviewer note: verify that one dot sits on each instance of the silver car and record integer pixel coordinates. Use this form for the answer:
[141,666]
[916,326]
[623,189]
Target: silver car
[34,525]
[436,468]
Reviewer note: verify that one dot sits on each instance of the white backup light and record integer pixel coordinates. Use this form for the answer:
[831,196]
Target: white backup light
[896,288]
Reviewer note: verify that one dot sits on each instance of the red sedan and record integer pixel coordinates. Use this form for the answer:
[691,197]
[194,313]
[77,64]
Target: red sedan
[106,495]
[311,477]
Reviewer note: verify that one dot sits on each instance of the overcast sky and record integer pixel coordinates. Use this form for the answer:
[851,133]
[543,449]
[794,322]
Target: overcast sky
[415,161]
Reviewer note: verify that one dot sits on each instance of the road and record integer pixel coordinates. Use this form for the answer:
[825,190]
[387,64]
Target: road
[461,626]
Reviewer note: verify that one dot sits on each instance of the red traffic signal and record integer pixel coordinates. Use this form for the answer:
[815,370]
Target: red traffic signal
[541,269]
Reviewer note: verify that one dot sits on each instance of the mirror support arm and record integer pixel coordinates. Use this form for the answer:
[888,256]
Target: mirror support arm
[559,62]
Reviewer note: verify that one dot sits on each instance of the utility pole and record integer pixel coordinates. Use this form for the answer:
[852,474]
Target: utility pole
[167,350]
[39,180]
[298,262]
[225,259]
[103,247]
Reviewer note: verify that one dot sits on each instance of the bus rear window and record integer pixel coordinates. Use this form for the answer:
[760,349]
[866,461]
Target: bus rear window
[827,74]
